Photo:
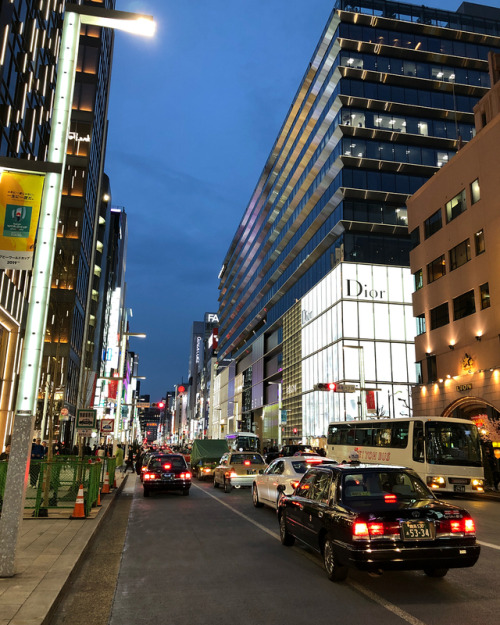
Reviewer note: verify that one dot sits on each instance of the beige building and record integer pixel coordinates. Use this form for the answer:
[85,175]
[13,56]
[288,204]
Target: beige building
[454,220]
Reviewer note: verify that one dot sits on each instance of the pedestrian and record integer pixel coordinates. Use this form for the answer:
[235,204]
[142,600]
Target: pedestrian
[129,463]
[37,454]
[5,454]
[138,461]
[119,458]
[45,448]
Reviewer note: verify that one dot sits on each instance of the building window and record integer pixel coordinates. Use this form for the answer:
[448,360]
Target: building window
[415,237]
[456,206]
[419,279]
[433,224]
[420,324]
[484,291]
[418,372]
[436,269]
[431,368]
[475,194]
[460,254]
[440,316]
[479,242]
[464,305]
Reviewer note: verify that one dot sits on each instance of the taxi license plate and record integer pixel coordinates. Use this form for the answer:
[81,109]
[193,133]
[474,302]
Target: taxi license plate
[417,530]
[458,488]
[251,471]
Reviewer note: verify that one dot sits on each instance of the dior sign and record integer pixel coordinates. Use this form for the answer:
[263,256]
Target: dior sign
[356,289]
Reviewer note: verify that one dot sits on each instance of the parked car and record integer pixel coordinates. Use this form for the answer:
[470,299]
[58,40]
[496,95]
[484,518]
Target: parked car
[166,472]
[286,471]
[374,518]
[238,469]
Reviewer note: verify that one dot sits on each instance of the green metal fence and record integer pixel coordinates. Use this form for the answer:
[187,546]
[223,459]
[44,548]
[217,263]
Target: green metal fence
[54,485]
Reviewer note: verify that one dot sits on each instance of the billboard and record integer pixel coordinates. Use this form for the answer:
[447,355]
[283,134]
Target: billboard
[20,199]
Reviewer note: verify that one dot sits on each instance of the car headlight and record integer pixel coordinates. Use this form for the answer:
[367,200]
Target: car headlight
[436,481]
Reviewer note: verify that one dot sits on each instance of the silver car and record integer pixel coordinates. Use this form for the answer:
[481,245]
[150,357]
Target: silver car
[287,471]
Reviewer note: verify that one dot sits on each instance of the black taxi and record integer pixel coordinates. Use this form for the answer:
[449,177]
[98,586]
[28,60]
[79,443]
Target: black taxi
[375,518]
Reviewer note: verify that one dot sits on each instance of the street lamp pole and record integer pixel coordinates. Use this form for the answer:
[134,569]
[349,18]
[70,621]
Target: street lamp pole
[17,475]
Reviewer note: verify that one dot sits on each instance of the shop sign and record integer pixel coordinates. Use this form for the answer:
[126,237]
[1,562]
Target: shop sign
[464,387]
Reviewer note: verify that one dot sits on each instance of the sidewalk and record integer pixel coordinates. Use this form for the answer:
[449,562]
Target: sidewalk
[48,551]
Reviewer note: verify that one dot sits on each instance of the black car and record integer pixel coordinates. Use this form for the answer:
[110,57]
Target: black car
[290,450]
[166,472]
[376,518]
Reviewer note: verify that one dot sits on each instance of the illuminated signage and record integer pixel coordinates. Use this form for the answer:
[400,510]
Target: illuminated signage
[356,289]
[211,318]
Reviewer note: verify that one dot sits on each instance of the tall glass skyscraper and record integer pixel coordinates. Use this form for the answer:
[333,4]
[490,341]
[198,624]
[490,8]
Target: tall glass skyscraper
[386,100]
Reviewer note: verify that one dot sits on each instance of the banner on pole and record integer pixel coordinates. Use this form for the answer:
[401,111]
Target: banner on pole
[20,199]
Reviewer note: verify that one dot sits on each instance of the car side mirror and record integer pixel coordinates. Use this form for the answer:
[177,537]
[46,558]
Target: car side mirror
[261,471]
[281,488]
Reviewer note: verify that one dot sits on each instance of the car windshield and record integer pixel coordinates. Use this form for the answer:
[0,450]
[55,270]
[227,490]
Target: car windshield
[381,484]
[242,458]
[301,466]
[161,463]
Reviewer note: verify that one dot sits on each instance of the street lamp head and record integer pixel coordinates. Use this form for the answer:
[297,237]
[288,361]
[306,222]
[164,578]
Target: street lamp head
[139,335]
[134,23]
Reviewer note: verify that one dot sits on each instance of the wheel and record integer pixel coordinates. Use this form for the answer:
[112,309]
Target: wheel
[216,483]
[185,492]
[286,539]
[255,497]
[436,572]
[146,492]
[227,486]
[336,572]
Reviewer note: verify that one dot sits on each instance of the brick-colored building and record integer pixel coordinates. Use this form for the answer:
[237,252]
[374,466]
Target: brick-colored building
[455,224]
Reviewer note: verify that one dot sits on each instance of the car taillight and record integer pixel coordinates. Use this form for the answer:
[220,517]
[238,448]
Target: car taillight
[247,463]
[233,474]
[295,483]
[167,466]
[185,476]
[150,476]
[465,527]
[365,531]
[390,498]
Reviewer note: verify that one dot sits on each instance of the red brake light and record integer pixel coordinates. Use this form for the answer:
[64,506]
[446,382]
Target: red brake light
[390,498]
[167,466]
[185,476]
[469,526]
[295,483]
[314,461]
[360,530]
[376,529]
[247,463]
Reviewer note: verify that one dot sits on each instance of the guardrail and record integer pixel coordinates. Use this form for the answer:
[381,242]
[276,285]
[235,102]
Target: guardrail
[54,485]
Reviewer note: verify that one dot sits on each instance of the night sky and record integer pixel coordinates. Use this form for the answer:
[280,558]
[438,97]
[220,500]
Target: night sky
[193,116]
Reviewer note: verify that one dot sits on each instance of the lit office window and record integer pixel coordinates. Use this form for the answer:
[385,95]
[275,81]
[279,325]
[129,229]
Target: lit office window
[475,194]
[419,279]
[436,269]
[479,242]
[420,319]
[456,206]
[484,291]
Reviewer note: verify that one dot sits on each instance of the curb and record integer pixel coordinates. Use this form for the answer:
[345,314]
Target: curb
[105,507]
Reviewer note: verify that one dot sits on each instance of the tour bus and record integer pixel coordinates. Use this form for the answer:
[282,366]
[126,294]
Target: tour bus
[445,452]
[243,441]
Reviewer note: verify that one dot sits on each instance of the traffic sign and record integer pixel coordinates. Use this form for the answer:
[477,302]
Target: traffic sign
[107,426]
[85,418]
[64,412]
[84,432]
[346,388]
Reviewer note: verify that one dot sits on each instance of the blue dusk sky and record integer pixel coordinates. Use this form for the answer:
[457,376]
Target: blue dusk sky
[193,116]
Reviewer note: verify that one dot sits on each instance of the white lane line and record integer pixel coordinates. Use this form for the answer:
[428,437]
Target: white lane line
[483,544]
[405,616]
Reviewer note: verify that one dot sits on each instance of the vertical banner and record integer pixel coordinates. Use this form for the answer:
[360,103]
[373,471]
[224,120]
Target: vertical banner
[370,402]
[20,198]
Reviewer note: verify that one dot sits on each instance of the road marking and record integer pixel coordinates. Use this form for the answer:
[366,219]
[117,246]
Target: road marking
[405,616]
[483,544]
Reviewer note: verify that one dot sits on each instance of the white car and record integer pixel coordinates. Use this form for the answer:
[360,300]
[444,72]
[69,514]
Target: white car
[287,471]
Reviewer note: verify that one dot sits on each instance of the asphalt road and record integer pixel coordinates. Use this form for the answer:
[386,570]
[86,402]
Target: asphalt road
[212,558]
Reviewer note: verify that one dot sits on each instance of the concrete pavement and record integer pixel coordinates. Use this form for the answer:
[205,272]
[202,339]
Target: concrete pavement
[48,551]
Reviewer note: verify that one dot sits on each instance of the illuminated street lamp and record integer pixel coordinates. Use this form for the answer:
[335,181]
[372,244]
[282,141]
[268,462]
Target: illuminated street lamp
[75,17]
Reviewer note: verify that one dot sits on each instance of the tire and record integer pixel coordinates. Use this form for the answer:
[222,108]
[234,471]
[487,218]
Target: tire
[335,572]
[185,492]
[286,538]
[146,492]
[227,486]
[255,497]
[216,484]
[435,572]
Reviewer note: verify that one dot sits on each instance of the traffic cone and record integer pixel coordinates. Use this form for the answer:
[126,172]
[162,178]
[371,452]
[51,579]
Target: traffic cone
[98,496]
[79,509]
[114,481]
[105,487]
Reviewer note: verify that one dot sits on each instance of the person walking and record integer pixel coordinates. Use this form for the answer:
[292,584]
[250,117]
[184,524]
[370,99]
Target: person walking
[119,458]
[129,462]
[37,454]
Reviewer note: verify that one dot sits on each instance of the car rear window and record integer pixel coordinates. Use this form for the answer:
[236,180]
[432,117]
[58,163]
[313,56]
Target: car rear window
[175,463]
[242,458]
[372,484]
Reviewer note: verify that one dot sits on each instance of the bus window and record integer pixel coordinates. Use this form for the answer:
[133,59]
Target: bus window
[418,441]
[333,435]
[383,437]
[452,443]
[363,436]
[400,435]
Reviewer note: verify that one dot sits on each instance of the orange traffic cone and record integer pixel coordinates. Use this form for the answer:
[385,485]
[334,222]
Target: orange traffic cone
[98,496]
[105,487]
[79,509]
[114,482]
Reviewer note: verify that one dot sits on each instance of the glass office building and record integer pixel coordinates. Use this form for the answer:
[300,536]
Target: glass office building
[386,100]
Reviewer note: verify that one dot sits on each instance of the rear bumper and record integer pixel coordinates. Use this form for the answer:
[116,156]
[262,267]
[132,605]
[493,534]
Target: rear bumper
[409,558]
[242,480]
[167,485]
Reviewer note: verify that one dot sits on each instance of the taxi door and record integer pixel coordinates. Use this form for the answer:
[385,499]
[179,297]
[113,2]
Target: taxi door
[316,505]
